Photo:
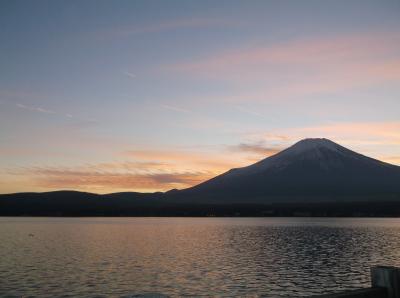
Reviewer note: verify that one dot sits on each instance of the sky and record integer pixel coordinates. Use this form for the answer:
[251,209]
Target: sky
[109,96]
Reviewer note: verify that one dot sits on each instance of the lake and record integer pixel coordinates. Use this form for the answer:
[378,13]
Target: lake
[135,257]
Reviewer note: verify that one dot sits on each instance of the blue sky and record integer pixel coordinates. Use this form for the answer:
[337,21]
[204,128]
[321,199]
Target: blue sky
[151,95]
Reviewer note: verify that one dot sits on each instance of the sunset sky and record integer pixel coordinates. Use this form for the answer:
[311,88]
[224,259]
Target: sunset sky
[107,96]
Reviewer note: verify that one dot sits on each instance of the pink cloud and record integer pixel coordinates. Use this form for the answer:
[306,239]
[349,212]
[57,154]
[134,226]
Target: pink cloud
[302,67]
[310,52]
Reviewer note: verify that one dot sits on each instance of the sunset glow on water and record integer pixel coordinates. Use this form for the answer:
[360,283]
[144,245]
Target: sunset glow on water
[176,257]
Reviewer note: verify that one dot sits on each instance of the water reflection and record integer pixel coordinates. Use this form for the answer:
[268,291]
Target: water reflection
[195,257]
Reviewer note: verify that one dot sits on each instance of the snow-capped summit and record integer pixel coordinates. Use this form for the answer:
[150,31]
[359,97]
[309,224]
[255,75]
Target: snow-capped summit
[323,152]
[314,143]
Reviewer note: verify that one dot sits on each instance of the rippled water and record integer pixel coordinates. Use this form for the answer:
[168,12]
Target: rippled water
[269,257]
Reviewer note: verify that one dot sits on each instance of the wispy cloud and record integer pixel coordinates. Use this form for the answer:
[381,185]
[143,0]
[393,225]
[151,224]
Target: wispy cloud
[372,133]
[145,170]
[358,132]
[214,162]
[247,111]
[106,181]
[259,148]
[174,108]
[171,25]
[303,67]
[130,74]
[139,170]
[35,109]
[60,114]
[312,52]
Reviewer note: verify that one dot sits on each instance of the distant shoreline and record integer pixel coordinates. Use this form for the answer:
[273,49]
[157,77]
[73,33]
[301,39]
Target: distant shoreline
[99,206]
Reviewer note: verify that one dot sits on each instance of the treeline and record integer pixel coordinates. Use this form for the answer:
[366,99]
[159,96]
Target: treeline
[135,204]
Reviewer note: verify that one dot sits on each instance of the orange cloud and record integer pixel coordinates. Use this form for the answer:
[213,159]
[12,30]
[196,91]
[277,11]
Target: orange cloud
[108,181]
[145,170]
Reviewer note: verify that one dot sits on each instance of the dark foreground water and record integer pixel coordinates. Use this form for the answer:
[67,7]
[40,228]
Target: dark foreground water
[271,257]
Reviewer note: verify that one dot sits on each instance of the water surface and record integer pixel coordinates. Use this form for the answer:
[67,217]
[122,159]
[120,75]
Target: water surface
[268,257]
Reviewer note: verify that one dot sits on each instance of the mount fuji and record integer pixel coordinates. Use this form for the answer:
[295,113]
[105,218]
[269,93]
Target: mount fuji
[310,169]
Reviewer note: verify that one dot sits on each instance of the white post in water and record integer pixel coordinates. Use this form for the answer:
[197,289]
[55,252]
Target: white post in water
[388,278]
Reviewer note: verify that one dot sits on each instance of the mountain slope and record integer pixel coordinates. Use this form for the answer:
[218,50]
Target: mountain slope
[311,168]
